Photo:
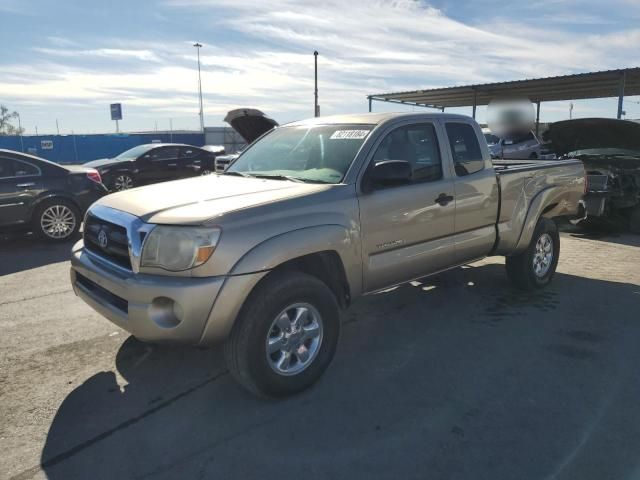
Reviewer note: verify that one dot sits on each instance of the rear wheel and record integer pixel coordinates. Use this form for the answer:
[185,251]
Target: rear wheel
[56,220]
[285,336]
[122,181]
[534,268]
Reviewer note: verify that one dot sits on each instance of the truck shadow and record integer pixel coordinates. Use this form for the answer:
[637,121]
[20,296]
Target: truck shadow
[454,376]
[19,252]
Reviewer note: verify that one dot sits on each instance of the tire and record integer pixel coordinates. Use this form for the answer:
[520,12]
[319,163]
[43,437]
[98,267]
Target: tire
[282,295]
[56,220]
[122,181]
[528,270]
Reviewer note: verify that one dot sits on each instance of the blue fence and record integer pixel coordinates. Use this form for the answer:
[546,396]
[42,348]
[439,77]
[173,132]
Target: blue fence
[83,148]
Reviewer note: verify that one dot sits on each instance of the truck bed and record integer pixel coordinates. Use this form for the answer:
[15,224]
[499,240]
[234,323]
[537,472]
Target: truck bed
[510,166]
[522,183]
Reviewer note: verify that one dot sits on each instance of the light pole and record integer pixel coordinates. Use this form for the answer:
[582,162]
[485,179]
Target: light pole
[198,47]
[316,110]
[20,132]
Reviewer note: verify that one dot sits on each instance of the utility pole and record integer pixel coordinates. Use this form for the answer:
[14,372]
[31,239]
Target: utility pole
[20,132]
[198,47]
[57,126]
[171,130]
[316,107]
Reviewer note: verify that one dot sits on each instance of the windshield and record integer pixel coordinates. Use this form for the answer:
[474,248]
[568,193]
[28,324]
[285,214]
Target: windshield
[135,152]
[317,153]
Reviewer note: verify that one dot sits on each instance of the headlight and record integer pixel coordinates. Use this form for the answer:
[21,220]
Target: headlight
[179,248]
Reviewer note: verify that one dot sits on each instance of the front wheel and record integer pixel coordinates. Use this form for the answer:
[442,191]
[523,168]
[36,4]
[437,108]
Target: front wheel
[56,220]
[285,336]
[534,268]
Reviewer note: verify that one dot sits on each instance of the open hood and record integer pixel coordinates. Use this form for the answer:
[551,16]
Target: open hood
[250,123]
[592,134]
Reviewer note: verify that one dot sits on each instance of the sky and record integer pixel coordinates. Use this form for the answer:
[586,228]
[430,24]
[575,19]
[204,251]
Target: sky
[68,60]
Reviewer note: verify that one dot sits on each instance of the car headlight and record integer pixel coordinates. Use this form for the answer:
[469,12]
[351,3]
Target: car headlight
[178,248]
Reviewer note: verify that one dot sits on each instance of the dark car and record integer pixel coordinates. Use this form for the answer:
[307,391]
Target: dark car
[610,151]
[46,198]
[153,163]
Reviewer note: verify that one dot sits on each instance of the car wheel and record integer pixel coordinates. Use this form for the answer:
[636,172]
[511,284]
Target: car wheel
[56,220]
[206,172]
[534,268]
[533,156]
[122,181]
[285,335]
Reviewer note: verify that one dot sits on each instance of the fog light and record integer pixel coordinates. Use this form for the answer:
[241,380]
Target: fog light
[165,312]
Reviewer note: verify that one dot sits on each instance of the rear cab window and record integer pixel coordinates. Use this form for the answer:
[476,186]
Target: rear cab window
[465,148]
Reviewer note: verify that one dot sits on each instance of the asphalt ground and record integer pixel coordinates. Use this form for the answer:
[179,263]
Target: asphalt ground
[458,376]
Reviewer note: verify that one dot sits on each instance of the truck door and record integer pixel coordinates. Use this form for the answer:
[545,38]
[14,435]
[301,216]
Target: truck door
[407,228]
[476,192]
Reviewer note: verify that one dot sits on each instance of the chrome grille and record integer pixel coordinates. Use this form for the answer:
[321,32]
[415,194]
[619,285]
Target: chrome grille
[107,240]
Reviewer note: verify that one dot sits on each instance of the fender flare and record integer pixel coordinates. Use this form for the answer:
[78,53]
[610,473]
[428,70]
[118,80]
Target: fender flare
[541,202]
[293,244]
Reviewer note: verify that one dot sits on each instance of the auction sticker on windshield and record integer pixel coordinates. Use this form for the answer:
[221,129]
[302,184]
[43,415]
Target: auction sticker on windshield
[349,134]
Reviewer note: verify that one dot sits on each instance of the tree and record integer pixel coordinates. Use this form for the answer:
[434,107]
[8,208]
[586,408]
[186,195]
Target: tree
[6,128]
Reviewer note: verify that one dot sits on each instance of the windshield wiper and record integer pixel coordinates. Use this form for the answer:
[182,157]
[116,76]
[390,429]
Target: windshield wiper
[276,177]
[237,174]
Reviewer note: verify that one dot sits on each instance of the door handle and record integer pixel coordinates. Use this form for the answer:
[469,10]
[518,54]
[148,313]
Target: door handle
[25,185]
[173,165]
[443,199]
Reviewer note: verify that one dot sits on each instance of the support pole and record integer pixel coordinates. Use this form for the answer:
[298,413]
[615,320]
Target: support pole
[475,102]
[316,113]
[370,102]
[537,118]
[621,94]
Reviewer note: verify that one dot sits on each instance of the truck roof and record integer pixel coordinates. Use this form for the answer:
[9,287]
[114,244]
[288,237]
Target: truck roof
[376,118]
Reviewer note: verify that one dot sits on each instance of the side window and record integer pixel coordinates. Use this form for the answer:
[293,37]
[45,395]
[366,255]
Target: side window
[418,145]
[6,168]
[24,169]
[465,148]
[162,154]
[188,152]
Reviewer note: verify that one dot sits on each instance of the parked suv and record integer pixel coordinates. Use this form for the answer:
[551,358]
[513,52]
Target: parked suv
[46,198]
[153,163]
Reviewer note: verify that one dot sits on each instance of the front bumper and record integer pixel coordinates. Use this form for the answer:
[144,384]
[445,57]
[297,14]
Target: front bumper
[160,308]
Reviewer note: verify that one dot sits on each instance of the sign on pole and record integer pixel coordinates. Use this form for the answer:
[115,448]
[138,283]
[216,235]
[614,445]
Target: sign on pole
[116,114]
[116,111]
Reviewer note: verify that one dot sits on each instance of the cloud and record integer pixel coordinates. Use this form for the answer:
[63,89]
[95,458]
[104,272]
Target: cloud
[260,54]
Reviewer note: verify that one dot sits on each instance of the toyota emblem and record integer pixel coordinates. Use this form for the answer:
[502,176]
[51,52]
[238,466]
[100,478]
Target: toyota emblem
[103,240]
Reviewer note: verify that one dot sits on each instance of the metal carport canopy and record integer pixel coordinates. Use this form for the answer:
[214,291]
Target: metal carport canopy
[610,83]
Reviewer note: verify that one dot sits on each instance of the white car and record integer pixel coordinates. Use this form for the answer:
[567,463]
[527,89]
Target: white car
[521,147]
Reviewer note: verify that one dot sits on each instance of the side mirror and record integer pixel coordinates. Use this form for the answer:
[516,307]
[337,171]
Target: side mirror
[389,172]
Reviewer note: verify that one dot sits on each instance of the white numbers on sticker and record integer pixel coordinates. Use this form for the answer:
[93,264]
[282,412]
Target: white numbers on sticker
[349,134]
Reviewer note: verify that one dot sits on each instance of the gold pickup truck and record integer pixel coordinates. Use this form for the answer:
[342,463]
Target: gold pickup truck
[309,217]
